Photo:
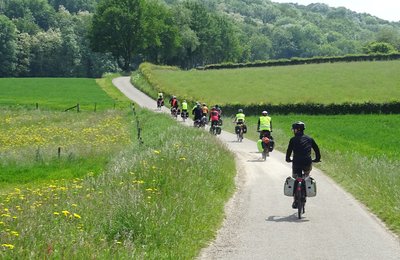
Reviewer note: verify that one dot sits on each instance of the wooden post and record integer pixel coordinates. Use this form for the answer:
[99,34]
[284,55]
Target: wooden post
[59,152]
[37,106]
[95,106]
[77,107]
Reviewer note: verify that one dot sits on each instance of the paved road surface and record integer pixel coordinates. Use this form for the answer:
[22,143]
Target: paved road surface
[260,223]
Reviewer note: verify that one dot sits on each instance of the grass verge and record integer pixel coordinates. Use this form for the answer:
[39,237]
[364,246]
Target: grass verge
[161,199]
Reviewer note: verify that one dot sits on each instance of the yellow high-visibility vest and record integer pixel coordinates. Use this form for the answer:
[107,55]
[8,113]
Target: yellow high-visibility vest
[265,123]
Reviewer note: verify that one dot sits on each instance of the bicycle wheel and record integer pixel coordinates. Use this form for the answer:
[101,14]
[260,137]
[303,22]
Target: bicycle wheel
[300,205]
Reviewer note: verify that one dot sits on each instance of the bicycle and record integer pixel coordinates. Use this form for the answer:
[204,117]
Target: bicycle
[304,186]
[174,112]
[239,129]
[215,128]
[160,103]
[184,115]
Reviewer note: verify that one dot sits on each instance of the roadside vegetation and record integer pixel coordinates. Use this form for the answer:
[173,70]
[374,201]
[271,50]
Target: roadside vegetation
[359,151]
[108,195]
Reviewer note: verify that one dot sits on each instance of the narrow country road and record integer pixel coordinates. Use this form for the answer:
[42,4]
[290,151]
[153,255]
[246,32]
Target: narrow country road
[260,223]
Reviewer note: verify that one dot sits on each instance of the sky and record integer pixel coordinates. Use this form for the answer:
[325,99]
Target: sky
[384,9]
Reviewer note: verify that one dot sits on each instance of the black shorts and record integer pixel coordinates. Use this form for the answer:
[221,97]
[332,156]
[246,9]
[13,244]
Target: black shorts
[300,169]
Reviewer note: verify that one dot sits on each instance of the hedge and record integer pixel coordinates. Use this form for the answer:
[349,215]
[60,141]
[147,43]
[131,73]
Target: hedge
[302,61]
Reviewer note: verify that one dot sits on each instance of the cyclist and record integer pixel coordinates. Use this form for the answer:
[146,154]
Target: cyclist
[184,107]
[240,120]
[214,116]
[174,102]
[160,99]
[264,125]
[300,145]
[205,109]
[197,111]
[240,117]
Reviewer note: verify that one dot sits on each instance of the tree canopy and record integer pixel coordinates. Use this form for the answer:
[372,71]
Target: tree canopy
[86,38]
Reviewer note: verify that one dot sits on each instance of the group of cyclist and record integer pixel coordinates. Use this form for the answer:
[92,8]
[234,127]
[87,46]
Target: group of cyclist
[300,145]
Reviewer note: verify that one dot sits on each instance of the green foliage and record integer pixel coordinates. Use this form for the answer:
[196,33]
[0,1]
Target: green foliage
[182,33]
[8,46]
[379,47]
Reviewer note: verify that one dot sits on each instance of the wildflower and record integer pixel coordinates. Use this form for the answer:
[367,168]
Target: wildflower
[65,212]
[182,159]
[74,205]
[77,216]
[157,152]
[14,233]
[56,213]
[8,246]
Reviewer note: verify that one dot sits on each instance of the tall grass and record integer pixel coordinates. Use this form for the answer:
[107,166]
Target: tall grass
[161,199]
[359,151]
[356,82]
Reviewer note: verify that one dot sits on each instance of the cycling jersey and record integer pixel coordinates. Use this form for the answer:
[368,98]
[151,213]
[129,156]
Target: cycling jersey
[301,146]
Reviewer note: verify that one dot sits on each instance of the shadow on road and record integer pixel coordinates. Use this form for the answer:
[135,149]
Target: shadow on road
[290,218]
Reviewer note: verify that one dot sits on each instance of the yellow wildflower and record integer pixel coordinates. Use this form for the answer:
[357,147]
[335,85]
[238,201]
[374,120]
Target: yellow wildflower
[56,213]
[157,152]
[77,216]
[8,246]
[14,233]
[65,212]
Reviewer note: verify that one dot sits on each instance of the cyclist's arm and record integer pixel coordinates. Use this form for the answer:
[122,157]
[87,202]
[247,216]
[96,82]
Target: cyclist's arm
[316,150]
[289,151]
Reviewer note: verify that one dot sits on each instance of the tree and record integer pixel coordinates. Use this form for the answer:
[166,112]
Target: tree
[117,27]
[378,47]
[8,46]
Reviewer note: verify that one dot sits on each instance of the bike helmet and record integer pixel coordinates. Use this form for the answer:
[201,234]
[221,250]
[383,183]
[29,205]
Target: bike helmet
[240,110]
[299,126]
[264,112]
[204,104]
[173,96]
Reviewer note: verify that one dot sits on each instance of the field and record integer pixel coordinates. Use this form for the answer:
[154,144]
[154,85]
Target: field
[107,195]
[354,82]
[53,93]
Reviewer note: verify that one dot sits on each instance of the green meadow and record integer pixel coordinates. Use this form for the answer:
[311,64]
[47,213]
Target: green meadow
[54,93]
[334,83]
[107,195]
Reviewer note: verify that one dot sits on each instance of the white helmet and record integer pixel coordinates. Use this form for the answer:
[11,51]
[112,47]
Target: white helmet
[264,112]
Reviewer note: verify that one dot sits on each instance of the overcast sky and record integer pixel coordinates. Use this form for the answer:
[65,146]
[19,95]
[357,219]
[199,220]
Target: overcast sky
[384,9]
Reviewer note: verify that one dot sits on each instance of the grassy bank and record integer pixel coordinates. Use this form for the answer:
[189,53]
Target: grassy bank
[162,199]
[363,159]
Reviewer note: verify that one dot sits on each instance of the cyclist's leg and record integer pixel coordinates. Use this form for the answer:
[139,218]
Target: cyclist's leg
[307,169]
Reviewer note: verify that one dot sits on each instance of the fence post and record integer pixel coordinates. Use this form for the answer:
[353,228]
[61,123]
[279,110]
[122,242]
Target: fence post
[77,108]
[37,106]
[59,152]
[95,106]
